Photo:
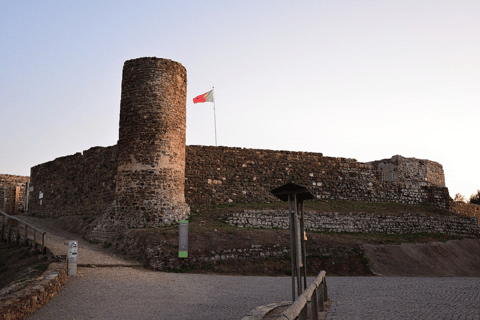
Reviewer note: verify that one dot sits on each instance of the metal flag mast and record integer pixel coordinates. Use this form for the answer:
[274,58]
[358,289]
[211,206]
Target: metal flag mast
[214,116]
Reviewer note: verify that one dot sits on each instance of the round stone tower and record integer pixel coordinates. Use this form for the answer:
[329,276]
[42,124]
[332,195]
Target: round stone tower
[151,146]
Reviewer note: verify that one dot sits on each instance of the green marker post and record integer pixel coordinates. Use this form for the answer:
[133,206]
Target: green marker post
[183,239]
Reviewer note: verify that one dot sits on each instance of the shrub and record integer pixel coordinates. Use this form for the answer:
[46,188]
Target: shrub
[475,198]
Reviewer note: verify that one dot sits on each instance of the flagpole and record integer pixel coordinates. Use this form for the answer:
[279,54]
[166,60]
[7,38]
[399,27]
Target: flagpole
[214,116]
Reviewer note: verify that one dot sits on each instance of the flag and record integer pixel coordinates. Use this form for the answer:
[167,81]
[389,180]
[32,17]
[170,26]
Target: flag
[206,97]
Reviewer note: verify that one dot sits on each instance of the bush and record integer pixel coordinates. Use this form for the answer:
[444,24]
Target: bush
[475,198]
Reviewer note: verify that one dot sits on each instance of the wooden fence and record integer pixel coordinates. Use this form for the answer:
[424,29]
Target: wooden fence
[310,303]
[15,229]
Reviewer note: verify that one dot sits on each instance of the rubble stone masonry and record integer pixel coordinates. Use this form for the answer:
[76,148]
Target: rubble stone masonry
[86,183]
[12,193]
[151,147]
[236,175]
[80,184]
[360,222]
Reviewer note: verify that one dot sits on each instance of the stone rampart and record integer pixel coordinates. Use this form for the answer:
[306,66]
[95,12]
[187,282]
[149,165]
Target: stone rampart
[80,184]
[12,193]
[85,183]
[236,175]
[360,222]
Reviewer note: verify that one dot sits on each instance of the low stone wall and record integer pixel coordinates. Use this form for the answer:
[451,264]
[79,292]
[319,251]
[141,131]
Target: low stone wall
[360,222]
[20,304]
[159,260]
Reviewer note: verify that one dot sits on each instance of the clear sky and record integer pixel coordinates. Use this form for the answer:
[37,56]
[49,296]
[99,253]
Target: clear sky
[354,79]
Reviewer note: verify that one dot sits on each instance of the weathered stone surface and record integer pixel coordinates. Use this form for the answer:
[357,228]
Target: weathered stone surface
[9,183]
[236,175]
[151,149]
[81,184]
[20,304]
[360,222]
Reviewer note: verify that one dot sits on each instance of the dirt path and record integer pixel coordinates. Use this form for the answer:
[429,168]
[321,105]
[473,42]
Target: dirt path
[88,253]
[455,258]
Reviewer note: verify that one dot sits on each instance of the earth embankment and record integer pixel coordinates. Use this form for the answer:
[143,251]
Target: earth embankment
[454,258]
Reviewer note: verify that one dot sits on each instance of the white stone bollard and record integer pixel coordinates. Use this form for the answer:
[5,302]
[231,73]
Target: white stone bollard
[72,257]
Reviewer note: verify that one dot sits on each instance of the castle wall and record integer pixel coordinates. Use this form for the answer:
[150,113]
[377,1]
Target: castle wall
[86,183]
[8,186]
[80,184]
[236,175]
[410,171]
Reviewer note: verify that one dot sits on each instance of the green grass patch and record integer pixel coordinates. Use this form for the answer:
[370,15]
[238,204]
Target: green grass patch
[366,263]
[41,267]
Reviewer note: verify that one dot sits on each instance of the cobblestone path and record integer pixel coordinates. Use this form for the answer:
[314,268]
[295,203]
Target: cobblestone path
[136,293]
[404,298]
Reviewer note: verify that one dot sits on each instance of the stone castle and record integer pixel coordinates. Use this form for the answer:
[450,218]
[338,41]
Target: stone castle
[150,178]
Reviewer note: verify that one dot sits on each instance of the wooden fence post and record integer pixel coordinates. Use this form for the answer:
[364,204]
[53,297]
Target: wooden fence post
[321,302]
[304,313]
[18,234]
[44,249]
[325,287]
[314,304]
[26,234]
[3,229]
[9,231]
[17,197]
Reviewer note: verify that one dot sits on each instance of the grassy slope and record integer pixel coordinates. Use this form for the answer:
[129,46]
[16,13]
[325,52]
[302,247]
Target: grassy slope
[337,253]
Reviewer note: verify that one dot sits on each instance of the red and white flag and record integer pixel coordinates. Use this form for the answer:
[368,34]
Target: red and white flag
[206,97]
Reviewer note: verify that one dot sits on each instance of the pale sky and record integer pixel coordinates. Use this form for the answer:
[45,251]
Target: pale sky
[354,79]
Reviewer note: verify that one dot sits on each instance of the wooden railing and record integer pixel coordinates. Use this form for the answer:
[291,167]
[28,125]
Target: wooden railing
[310,303]
[12,226]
